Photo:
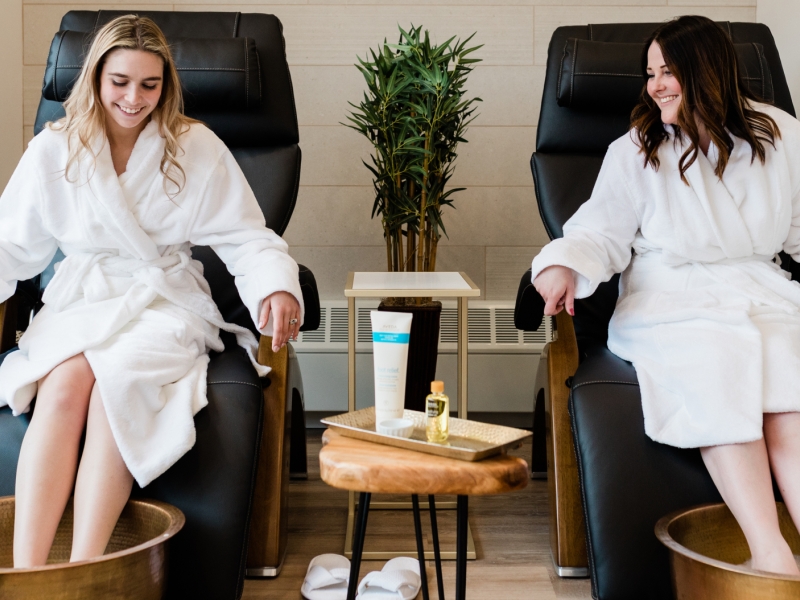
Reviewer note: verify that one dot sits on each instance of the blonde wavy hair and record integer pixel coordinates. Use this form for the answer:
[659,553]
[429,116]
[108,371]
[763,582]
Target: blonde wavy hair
[85,116]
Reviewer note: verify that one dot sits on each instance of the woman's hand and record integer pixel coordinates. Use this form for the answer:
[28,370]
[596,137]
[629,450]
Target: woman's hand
[556,285]
[285,309]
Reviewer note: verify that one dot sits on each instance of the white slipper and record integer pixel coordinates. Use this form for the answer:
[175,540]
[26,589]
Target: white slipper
[399,580]
[326,578]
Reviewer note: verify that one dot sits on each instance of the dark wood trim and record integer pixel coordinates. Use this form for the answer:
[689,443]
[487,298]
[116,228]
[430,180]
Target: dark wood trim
[558,362]
[269,525]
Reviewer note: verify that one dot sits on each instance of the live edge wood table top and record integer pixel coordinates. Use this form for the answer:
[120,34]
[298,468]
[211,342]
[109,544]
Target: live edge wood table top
[351,464]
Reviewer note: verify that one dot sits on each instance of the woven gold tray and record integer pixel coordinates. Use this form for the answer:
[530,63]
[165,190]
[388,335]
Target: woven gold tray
[469,440]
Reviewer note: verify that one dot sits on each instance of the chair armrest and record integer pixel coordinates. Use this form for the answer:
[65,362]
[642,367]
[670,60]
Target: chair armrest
[529,308]
[308,286]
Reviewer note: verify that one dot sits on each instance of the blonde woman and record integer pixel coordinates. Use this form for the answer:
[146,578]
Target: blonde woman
[124,185]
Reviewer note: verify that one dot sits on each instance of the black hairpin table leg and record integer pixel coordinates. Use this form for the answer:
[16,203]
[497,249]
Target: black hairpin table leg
[358,543]
[437,555]
[423,574]
[461,547]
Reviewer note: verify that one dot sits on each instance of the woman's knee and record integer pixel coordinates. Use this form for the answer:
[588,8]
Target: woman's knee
[782,430]
[67,388]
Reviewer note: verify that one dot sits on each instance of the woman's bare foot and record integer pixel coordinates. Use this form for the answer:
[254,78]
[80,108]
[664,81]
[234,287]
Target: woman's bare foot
[778,560]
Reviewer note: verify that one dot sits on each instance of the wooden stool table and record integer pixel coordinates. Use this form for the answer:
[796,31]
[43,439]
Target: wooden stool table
[366,467]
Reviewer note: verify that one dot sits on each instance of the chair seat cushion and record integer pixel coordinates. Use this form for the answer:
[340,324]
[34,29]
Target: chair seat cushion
[628,481]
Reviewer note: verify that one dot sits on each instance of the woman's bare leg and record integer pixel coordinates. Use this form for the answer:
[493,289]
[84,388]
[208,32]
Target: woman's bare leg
[102,488]
[742,476]
[782,434]
[48,459]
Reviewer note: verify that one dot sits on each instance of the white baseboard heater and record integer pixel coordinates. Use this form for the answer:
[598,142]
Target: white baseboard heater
[502,359]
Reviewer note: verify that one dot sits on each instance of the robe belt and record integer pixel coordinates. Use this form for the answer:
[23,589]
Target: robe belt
[671,259]
[84,274]
[757,277]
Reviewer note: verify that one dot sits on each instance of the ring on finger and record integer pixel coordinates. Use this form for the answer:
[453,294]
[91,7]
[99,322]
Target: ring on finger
[292,321]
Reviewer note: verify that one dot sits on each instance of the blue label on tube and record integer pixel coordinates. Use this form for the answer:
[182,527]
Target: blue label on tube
[390,338]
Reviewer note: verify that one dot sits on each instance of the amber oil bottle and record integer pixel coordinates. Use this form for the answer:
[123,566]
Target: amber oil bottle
[437,405]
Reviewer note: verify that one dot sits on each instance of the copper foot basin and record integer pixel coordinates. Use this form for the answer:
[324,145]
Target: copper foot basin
[707,549]
[133,566]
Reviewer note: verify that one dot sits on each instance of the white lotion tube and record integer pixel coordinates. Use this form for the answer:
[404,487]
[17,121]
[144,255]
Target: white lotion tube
[390,334]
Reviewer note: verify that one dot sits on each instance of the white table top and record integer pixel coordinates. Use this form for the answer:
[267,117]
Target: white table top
[366,284]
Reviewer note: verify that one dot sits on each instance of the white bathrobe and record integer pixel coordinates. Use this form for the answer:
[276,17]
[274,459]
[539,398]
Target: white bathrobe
[709,321]
[128,294]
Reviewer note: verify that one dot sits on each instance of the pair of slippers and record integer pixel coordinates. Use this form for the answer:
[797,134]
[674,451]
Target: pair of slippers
[329,574]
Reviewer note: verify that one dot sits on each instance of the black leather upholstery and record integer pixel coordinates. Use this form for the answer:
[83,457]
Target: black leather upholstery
[212,484]
[628,482]
[607,76]
[12,430]
[214,71]
[273,124]
[571,130]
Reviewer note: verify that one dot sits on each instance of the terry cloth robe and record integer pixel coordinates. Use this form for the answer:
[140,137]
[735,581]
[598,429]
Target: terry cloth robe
[709,321]
[128,294]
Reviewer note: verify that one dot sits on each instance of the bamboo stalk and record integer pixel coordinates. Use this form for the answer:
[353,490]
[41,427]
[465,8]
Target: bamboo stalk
[434,247]
[401,263]
[428,248]
[423,208]
[388,239]
[411,237]
[398,266]
[412,250]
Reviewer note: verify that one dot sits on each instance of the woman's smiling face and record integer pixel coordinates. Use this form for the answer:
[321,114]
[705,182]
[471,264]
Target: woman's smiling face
[662,85]
[130,87]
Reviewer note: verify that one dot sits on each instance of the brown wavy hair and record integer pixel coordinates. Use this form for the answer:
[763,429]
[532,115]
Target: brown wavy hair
[85,115]
[701,56]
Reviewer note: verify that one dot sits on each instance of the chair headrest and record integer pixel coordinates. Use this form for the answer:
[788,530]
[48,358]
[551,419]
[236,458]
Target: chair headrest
[607,76]
[216,73]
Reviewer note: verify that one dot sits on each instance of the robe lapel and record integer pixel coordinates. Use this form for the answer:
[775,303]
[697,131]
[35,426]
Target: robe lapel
[142,175]
[720,208]
[112,209]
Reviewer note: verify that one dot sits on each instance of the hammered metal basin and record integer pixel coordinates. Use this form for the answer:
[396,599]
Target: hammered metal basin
[707,549]
[133,567]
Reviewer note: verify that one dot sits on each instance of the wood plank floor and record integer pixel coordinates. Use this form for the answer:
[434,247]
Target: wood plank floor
[510,532]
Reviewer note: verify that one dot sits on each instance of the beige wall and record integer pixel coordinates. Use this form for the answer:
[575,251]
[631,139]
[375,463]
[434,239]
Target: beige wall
[495,230]
[783,18]
[11,98]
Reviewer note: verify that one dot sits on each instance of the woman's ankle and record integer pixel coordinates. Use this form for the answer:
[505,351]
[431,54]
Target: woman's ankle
[775,558]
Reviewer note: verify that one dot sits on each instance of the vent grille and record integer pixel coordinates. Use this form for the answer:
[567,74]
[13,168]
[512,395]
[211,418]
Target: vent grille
[320,334]
[504,330]
[448,326]
[479,326]
[364,326]
[490,323]
[536,337]
[338,330]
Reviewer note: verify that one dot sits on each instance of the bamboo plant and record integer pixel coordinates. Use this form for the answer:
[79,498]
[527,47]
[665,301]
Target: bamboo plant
[414,113]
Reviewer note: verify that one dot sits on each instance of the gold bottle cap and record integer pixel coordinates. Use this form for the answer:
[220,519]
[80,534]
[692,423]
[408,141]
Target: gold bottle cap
[437,387]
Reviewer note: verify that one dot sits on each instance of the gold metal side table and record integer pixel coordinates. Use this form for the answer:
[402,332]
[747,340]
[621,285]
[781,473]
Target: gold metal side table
[407,285]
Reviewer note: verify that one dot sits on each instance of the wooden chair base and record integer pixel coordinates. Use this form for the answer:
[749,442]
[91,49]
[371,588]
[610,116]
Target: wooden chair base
[269,524]
[558,362]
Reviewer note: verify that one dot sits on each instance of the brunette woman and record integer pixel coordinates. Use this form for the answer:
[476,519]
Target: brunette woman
[692,206]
